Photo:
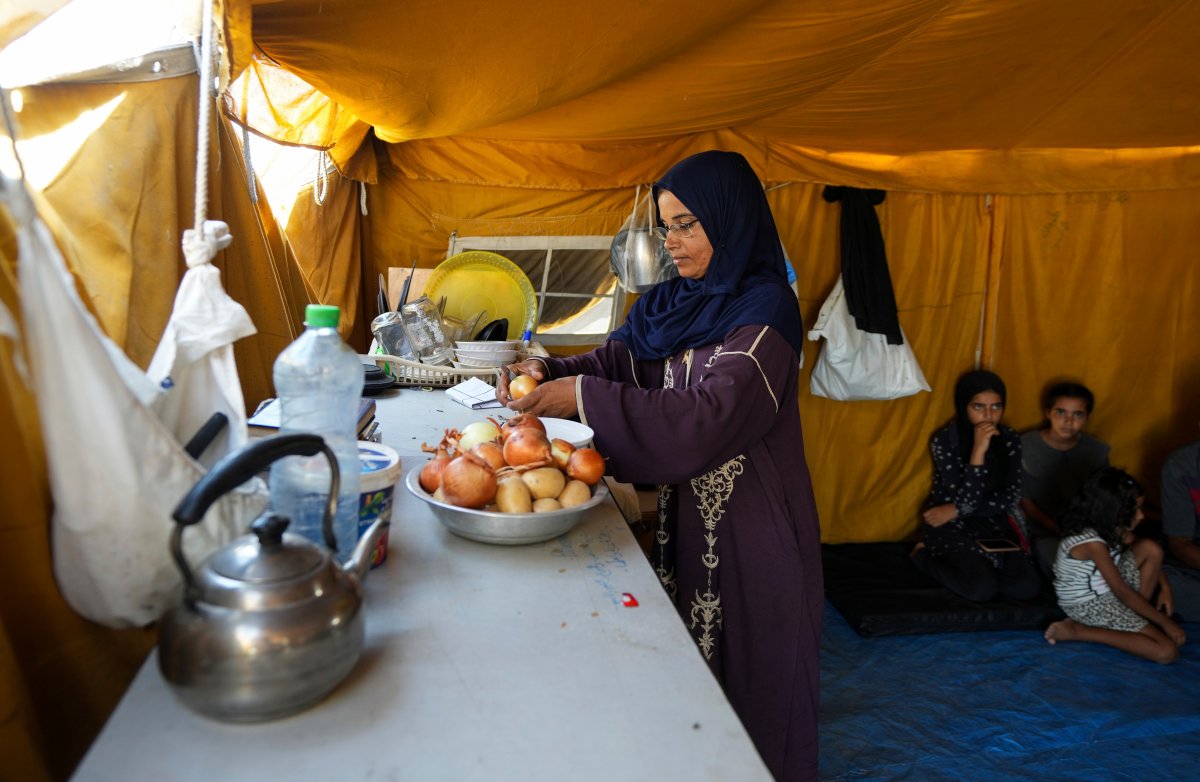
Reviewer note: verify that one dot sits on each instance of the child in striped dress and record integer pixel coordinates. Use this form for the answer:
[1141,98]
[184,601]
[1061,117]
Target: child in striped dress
[1105,578]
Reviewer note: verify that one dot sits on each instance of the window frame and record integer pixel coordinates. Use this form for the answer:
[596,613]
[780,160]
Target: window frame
[499,244]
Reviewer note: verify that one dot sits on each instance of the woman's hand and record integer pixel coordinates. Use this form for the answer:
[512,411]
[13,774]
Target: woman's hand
[984,432]
[940,514]
[530,366]
[554,399]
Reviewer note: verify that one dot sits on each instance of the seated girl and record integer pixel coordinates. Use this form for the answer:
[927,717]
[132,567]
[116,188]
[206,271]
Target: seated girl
[1055,461]
[1105,578]
[972,543]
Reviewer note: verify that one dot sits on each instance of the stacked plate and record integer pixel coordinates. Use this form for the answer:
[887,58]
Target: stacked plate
[484,355]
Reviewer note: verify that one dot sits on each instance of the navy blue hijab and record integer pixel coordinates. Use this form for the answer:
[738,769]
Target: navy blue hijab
[746,282]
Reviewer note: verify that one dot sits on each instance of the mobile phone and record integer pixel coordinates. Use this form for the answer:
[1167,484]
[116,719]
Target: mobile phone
[997,545]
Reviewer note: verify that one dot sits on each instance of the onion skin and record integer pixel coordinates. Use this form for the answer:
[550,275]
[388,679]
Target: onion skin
[468,482]
[526,445]
[490,452]
[587,465]
[520,421]
[431,473]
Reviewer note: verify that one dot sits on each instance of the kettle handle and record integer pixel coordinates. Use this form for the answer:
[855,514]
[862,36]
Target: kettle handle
[235,469]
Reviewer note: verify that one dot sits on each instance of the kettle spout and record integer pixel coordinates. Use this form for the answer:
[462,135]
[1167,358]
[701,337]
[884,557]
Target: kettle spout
[360,560]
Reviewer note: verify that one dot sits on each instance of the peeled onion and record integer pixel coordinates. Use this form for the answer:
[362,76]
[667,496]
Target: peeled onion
[561,451]
[476,433]
[587,465]
[468,482]
[521,385]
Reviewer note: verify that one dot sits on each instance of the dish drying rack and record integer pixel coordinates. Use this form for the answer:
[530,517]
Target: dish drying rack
[414,373]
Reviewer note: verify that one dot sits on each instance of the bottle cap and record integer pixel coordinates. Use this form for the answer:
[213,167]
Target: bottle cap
[321,316]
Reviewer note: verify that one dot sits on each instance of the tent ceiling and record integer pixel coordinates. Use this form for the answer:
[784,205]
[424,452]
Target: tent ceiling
[884,76]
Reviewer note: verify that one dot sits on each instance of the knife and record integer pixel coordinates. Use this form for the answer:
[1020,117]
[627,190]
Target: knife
[404,290]
[383,300]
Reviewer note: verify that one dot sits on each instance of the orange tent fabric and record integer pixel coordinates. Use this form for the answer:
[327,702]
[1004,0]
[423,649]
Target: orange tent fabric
[1042,163]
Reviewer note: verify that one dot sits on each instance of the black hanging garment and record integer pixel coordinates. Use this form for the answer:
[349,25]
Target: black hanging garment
[865,276]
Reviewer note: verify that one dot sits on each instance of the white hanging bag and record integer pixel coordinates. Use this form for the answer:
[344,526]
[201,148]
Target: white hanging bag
[859,365]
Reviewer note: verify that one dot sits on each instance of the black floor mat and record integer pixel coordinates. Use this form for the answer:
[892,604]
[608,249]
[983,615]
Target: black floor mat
[879,592]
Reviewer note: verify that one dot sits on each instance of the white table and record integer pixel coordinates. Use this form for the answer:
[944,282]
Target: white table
[481,662]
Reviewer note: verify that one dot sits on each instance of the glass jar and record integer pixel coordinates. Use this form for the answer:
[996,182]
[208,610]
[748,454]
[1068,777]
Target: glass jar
[423,325]
[388,330]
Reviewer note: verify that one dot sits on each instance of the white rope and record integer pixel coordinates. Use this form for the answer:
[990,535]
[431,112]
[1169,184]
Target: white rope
[252,185]
[206,99]
[11,125]
[362,197]
[321,183]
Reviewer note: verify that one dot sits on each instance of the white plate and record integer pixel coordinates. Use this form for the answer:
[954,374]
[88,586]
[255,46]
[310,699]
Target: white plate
[494,358]
[487,347]
[573,432]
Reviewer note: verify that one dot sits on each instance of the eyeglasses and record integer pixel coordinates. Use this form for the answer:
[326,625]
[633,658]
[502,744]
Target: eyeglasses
[681,230]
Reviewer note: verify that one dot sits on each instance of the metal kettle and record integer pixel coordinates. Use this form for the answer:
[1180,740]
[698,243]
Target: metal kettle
[271,623]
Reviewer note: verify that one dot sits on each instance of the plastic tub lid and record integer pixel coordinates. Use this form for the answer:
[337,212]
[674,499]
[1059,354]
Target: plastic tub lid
[380,466]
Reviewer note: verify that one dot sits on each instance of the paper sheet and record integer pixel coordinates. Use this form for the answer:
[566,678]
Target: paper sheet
[475,394]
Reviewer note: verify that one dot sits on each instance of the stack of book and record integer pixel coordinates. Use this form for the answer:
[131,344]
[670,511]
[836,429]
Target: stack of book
[266,420]
[368,427]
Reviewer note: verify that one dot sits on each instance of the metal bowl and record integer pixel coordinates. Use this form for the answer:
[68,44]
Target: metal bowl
[505,529]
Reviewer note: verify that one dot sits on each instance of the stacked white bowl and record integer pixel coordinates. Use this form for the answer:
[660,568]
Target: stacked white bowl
[484,355]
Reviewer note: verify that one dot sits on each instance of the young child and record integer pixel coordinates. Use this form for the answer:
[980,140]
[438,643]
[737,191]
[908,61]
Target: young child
[1105,578]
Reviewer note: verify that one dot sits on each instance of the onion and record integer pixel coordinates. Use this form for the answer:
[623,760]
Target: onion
[476,433]
[468,482]
[561,451]
[521,385]
[490,452]
[526,445]
[587,465]
[431,473]
[521,421]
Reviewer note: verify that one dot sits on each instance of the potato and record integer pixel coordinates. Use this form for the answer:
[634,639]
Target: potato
[512,495]
[546,504]
[544,482]
[574,493]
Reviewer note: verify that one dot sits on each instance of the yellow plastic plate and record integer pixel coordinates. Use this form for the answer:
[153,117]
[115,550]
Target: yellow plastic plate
[479,280]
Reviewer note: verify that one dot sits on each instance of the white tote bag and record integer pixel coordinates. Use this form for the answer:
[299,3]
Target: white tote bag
[117,469]
[858,365]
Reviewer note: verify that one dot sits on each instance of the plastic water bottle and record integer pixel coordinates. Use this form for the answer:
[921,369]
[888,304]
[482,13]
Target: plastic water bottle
[319,380]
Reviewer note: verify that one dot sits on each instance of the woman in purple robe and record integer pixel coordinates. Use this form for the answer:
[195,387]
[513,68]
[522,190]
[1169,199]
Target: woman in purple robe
[697,393]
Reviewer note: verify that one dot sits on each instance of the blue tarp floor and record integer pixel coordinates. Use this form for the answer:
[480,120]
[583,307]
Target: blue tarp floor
[1003,705]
